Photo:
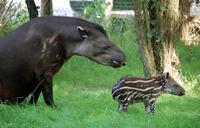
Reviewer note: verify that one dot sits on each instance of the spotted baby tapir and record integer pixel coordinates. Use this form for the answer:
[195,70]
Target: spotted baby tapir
[130,90]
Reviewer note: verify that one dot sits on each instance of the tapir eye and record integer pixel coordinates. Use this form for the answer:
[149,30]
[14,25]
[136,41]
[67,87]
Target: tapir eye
[106,47]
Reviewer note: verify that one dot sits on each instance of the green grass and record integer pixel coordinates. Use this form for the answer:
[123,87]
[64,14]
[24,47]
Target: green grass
[82,107]
[82,93]
[190,59]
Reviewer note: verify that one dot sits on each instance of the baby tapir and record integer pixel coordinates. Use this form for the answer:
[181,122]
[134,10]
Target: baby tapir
[31,54]
[129,90]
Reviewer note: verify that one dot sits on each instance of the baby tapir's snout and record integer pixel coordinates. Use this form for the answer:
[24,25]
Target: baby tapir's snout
[182,93]
[176,90]
[172,86]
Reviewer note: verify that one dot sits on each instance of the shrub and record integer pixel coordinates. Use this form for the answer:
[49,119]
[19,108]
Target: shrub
[7,11]
[11,16]
[95,12]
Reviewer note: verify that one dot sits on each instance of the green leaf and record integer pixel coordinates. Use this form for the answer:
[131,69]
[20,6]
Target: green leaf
[158,39]
[163,8]
[149,34]
[153,22]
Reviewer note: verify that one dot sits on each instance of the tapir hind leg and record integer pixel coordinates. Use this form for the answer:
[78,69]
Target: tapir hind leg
[36,92]
[47,91]
[35,96]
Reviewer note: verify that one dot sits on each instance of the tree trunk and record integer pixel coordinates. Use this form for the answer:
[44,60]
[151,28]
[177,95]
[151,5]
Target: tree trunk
[157,24]
[46,7]
[108,9]
[32,9]
[185,7]
[144,43]
[169,23]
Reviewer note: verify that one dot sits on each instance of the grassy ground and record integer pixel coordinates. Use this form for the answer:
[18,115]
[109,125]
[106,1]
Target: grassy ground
[82,93]
[81,107]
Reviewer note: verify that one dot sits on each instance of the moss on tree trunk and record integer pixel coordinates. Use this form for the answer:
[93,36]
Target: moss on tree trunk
[157,24]
[46,7]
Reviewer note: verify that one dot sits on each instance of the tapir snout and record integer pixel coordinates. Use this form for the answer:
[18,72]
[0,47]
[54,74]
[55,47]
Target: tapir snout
[118,60]
[97,47]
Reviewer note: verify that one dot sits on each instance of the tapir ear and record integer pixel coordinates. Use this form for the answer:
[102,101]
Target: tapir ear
[83,31]
[167,75]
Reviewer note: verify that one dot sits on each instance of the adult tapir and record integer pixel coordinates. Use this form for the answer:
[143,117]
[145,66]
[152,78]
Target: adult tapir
[31,54]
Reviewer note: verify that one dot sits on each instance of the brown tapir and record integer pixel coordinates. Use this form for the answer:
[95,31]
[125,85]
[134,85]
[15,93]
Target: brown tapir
[31,54]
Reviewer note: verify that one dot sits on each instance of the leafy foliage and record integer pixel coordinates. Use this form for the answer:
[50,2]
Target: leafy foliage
[7,11]
[20,17]
[95,12]
[11,16]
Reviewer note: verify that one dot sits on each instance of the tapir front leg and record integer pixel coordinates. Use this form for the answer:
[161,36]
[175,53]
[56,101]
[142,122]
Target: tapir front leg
[123,106]
[47,91]
[150,106]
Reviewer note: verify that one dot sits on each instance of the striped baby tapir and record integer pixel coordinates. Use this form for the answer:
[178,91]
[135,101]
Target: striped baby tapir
[130,90]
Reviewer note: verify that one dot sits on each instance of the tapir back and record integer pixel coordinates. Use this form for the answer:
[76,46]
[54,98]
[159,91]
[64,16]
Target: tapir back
[139,88]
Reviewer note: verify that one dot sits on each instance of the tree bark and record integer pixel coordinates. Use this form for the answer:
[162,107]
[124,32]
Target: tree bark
[153,11]
[46,7]
[157,24]
[32,9]
[185,7]
[169,22]
[144,43]
[108,9]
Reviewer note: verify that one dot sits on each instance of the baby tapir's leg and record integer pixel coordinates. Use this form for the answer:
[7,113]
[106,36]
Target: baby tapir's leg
[123,106]
[150,105]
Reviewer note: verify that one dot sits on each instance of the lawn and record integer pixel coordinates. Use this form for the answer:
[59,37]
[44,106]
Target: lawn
[82,107]
[82,93]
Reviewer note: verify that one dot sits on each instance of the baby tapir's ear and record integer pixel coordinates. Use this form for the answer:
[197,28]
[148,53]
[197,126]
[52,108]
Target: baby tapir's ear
[83,31]
[167,75]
